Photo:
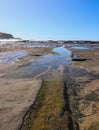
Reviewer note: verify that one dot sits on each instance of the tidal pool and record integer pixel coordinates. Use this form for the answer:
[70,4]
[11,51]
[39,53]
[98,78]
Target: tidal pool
[11,57]
[82,46]
[59,55]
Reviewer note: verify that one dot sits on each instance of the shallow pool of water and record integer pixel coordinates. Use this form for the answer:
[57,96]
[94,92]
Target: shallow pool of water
[59,56]
[82,46]
[11,57]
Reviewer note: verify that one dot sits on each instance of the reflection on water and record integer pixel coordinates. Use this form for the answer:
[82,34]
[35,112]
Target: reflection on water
[40,65]
[11,57]
[40,45]
[83,46]
[35,46]
[55,60]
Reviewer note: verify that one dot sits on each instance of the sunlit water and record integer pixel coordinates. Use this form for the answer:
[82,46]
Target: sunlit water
[58,56]
[83,46]
[11,57]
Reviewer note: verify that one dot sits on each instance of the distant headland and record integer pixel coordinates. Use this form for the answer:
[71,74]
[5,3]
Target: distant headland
[6,36]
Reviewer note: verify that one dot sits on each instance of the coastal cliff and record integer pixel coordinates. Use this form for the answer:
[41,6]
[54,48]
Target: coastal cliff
[6,36]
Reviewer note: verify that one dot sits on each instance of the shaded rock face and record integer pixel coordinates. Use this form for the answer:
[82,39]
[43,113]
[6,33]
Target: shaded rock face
[5,36]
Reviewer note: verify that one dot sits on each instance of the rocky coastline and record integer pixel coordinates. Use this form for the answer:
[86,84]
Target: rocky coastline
[6,36]
[68,98]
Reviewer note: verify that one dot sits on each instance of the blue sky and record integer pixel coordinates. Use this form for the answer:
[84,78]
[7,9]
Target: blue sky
[50,19]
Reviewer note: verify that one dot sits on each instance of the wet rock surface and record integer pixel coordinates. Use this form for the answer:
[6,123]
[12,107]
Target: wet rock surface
[91,64]
[84,99]
[69,98]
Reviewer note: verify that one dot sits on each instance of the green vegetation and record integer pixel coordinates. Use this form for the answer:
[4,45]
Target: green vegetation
[46,113]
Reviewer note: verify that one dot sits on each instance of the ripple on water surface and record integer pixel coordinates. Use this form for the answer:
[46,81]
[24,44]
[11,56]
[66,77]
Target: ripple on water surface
[58,56]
